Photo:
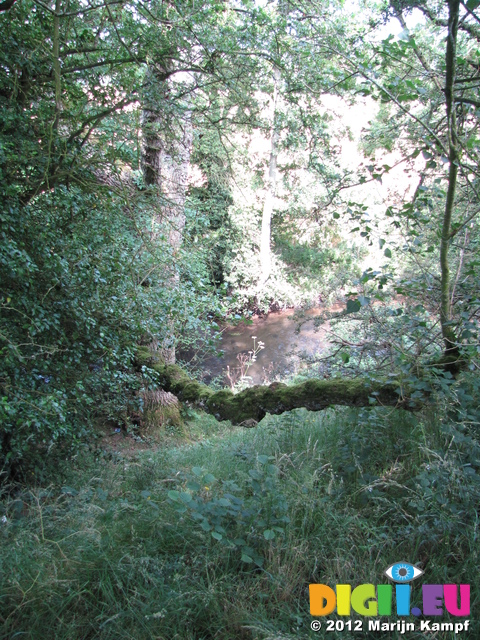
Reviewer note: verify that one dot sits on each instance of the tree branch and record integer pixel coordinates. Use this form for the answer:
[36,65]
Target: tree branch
[252,404]
[99,116]
[475,103]
[70,13]
[102,63]
[464,26]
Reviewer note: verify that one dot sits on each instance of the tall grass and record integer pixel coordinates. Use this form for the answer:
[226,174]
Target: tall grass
[221,539]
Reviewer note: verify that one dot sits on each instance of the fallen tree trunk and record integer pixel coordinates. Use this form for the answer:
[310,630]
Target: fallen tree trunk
[254,403]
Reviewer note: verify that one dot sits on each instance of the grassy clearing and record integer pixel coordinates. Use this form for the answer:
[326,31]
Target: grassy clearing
[220,539]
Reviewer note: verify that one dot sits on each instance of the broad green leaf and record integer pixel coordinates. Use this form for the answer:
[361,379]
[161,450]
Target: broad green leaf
[353,306]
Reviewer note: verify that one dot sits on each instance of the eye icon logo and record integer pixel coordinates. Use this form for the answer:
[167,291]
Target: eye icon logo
[403,572]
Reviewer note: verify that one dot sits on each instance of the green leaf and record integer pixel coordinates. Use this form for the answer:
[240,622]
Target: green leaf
[258,560]
[387,253]
[353,306]
[239,542]
[180,508]
[216,535]
[246,558]
[268,534]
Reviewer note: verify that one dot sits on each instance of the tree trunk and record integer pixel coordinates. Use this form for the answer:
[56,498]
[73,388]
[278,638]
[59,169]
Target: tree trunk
[166,160]
[265,239]
[448,333]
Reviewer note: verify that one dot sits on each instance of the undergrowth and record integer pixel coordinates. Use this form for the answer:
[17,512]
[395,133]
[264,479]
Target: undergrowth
[221,538]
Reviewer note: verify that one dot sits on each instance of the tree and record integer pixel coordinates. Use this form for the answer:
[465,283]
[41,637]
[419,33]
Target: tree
[418,83]
[76,260]
[166,159]
[454,141]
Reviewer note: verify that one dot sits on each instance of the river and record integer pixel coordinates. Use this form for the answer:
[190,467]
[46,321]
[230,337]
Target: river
[288,337]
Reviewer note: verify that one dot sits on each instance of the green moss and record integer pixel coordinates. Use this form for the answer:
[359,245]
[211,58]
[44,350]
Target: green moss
[155,420]
[315,395]
[144,357]
[254,403]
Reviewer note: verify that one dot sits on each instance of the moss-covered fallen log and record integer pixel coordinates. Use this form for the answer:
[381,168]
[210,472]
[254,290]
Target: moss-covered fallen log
[255,402]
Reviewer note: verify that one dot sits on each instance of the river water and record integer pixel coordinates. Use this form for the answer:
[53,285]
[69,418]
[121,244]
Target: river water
[289,338]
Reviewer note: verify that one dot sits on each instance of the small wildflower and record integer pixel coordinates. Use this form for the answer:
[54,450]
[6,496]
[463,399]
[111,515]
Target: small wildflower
[4,519]
[207,488]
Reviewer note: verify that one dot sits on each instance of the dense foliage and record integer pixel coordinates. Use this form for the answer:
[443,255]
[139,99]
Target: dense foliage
[168,167]
[91,98]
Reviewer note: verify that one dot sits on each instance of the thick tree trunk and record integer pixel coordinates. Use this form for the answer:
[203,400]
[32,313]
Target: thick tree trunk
[166,160]
[251,405]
